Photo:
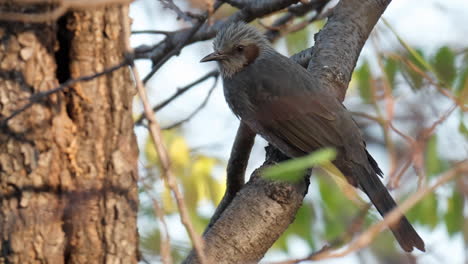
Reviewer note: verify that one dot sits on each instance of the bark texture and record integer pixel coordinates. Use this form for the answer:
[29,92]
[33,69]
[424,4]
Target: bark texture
[68,165]
[255,219]
[243,228]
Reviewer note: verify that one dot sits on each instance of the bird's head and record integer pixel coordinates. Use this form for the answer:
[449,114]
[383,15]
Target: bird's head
[235,47]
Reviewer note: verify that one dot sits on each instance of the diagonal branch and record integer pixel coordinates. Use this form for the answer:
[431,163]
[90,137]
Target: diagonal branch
[179,92]
[177,47]
[169,4]
[200,107]
[156,135]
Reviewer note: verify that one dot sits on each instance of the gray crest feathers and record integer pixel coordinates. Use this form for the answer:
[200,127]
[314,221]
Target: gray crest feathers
[236,33]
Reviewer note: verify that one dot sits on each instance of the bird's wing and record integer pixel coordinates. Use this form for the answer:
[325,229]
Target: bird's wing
[302,121]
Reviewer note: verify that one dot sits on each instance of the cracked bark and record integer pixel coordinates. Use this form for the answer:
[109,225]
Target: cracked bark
[254,219]
[68,166]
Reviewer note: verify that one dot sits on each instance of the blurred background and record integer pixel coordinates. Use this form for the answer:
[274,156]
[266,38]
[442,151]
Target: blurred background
[412,71]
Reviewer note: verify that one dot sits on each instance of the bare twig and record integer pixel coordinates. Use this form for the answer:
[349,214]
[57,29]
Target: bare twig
[169,4]
[178,47]
[179,92]
[40,96]
[161,32]
[200,107]
[156,136]
[165,246]
[439,86]
[276,29]
[389,101]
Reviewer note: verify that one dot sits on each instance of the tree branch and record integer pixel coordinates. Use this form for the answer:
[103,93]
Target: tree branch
[255,219]
[179,92]
[200,107]
[236,167]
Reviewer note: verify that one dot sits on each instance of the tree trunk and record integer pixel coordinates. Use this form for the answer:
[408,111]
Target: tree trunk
[68,165]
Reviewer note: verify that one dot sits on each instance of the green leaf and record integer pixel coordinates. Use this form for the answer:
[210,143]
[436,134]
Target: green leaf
[463,129]
[434,164]
[338,211]
[391,68]
[293,170]
[416,56]
[301,227]
[454,216]
[414,79]
[364,79]
[297,41]
[462,82]
[425,212]
[444,65]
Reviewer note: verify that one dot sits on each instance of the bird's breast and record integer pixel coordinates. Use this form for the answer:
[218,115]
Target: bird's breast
[239,95]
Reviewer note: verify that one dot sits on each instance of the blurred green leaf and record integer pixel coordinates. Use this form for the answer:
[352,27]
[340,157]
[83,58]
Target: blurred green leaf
[301,227]
[414,78]
[297,41]
[150,243]
[338,210]
[425,212]
[364,78]
[454,216]
[463,129]
[444,65]
[434,165]
[293,170]
[391,68]
[416,56]
[462,82]
[385,245]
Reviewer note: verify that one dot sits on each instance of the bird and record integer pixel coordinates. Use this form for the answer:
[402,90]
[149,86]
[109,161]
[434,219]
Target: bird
[278,99]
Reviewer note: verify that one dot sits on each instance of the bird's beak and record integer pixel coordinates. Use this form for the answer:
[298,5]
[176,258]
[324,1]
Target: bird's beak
[215,56]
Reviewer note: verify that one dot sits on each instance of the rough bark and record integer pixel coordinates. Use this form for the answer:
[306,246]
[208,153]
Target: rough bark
[68,166]
[242,228]
[255,219]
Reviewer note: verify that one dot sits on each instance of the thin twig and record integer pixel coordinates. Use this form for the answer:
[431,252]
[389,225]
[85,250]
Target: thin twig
[178,93]
[156,136]
[38,97]
[169,4]
[389,101]
[165,245]
[200,107]
[176,50]
[161,32]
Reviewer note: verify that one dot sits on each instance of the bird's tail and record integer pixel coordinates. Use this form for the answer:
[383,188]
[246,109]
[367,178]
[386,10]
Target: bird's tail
[380,197]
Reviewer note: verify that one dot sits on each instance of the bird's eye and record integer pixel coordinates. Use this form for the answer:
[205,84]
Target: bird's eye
[240,48]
